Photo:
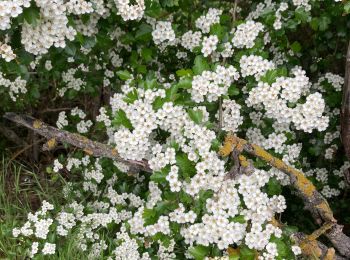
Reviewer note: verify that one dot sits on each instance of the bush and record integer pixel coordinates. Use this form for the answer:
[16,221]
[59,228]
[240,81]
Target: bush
[165,88]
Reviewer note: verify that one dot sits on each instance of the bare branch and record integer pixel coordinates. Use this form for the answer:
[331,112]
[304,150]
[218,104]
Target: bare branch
[90,147]
[345,109]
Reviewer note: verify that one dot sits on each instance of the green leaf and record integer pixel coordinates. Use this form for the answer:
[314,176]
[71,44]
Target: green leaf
[281,247]
[270,76]
[184,72]
[233,90]
[32,15]
[296,47]
[171,93]
[199,252]
[246,253]
[158,177]
[196,115]
[70,49]
[323,23]
[169,3]
[187,167]
[149,216]
[217,30]
[238,219]
[185,83]
[121,119]
[146,54]
[131,97]
[347,7]
[200,65]
[274,187]
[302,15]
[124,74]
[314,23]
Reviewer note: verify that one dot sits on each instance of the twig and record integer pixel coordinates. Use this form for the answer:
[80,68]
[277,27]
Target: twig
[92,148]
[220,114]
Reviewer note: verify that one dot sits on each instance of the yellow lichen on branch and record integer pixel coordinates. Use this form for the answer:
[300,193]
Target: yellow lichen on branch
[309,245]
[232,142]
[330,255]
[37,124]
[298,179]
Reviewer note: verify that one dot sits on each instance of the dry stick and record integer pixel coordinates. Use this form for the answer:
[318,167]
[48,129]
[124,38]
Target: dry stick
[345,109]
[92,148]
[314,201]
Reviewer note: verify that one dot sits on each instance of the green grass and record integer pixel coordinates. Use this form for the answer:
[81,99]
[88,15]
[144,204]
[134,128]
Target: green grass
[21,192]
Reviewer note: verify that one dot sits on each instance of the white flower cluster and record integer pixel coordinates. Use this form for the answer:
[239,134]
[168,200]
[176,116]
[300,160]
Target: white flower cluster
[302,3]
[277,23]
[212,85]
[130,11]
[231,115]
[163,32]
[179,215]
[275,98]
[62,120]
[204,22]
[335,80]
[6,52]
[52,28]
[253,65]
[79,7]
[38,225]
[103,117]
[71,81]
[209,45]
[190,40]
[14,87]
[246,34]
[10,9]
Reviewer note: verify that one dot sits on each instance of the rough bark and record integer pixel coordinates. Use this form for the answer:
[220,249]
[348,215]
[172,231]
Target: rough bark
[54,135]
[345,109]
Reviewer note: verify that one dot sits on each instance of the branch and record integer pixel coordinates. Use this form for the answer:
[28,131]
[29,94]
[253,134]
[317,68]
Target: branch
[92,148]
[314,201]
[345,109]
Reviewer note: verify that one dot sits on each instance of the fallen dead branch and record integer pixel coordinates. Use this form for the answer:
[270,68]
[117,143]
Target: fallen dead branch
[54,135]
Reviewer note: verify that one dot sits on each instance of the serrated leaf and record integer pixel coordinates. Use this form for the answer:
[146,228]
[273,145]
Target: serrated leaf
[246,253]
[200,65]
[120,118]
[196,115]
[323,23]
[273,187]
[32,15]
[302,15]
[146,54]
[199,252]
[270,76]
[296,47]
[185,83]
[124,74]
[184,72]
[186,166]
[233,90]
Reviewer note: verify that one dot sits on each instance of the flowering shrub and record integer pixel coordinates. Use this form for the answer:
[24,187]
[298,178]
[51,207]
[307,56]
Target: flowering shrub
[178,76]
